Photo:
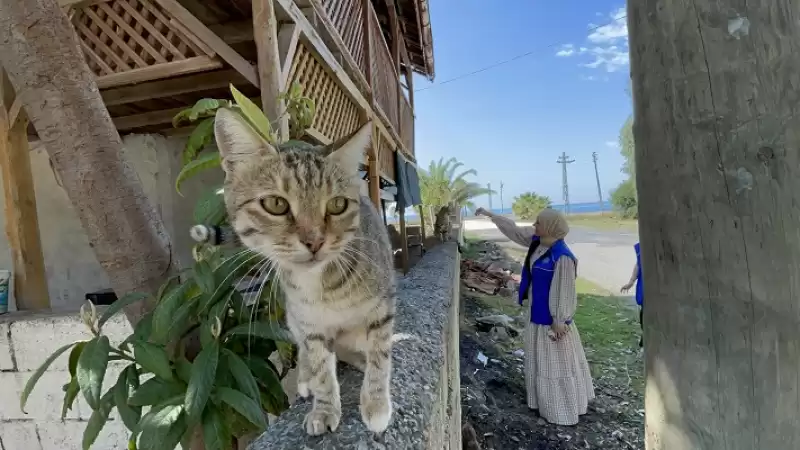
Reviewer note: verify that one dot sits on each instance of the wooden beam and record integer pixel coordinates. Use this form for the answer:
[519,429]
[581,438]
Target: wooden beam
[159,71]
[213,41]
[288,37]
[21,218]
[374,168]
[171,87]
[265,33]
[234,32]
[366,28]
[146,119]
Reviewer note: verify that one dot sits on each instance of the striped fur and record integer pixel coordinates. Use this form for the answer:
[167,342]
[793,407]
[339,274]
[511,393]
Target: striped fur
[336,267]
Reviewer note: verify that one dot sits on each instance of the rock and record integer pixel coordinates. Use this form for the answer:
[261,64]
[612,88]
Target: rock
[469,438]
[497,319]
[499,334]
[506,292]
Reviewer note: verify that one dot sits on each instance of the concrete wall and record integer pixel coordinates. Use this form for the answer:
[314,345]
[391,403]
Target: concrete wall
[72,269]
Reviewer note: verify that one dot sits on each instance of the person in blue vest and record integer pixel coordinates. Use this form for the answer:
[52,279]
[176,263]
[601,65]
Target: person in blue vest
[558,382]
[636,277]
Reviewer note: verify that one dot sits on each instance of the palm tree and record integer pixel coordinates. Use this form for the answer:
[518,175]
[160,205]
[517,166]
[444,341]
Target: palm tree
[444,184]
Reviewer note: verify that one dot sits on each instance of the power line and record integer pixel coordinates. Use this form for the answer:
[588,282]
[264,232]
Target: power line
[510,60]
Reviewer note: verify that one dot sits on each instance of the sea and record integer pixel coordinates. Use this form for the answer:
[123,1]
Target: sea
[574,208]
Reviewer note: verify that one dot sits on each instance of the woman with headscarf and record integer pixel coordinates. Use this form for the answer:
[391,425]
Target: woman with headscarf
[557,375]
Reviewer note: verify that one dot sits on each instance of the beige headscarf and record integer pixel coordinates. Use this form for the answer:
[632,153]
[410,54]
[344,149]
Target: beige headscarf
[552,226]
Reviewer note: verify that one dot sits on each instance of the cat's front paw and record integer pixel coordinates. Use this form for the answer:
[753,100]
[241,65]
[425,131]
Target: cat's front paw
[376,412]
[321,419]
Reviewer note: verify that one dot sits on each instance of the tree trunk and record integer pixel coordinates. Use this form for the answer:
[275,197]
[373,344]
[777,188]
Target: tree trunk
[41,53]
[716,86]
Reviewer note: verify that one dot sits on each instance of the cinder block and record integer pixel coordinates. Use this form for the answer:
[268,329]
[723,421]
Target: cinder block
[20,436]
[9,397]
[37,338]
[47,398]
[69,435]
[6,361]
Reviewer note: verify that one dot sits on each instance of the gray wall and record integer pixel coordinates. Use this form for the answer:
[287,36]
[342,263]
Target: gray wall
[72,269]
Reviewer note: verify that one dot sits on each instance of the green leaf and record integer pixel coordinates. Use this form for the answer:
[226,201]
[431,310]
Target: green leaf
[92,365]
[128,299]
[152,358]
[97,421]
[253,114]
[267,376]
[69,396]
[142,330]
[154,391]
[203,108]
[264,330]
[159,427]
[204,276]
[164,314]
[216,435]
[130,414]
[182,320]
[244,405]
[184,369]
[210,208]
[200,137]
[203,370]
[167,286]
[73,357]
[241,372]
[205,161]
[26,392]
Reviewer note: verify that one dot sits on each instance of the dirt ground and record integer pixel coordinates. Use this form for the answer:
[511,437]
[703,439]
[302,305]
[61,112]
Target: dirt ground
[493,395]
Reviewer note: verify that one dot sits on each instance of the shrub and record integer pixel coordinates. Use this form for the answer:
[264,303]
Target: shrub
[624,199]
[226,384]
[528,205]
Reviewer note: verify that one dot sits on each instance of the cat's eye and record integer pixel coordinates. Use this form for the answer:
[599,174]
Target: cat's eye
[277,206]
[336,206]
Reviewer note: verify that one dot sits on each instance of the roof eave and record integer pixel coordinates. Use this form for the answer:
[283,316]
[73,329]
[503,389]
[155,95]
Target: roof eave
[425,38]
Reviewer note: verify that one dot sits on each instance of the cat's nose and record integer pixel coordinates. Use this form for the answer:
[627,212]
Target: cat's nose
[313,244]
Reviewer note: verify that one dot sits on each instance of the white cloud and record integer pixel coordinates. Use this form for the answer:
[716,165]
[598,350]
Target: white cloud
[612,144]
[566,50]
[609,44]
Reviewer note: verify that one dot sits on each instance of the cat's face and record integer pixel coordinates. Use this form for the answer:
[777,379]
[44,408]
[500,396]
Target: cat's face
[297,206]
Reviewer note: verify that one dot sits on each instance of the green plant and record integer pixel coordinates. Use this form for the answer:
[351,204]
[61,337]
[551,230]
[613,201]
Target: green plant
[528,205]
[200,361]
[624,199]
[442,185]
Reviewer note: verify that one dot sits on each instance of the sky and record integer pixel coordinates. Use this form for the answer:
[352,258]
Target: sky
[511,122]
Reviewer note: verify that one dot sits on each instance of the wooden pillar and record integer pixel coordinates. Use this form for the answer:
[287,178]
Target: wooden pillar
[265,34]
[366,28]
[21,219]
[403,240]
[421,223]
[374,170]
[715,89]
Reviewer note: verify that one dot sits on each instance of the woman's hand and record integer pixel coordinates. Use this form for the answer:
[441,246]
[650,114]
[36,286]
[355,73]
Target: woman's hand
[559,331]
[627,287]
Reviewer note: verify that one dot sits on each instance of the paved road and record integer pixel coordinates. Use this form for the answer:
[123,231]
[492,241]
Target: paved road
[605,257]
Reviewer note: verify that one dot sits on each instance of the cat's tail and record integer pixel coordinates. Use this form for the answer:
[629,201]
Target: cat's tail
[213,235]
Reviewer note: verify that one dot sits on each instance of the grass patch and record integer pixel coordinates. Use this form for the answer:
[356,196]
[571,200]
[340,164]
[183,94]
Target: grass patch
[610,333]
[603,222]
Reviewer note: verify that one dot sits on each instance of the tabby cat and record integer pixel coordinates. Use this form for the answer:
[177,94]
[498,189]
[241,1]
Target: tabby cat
[301,207]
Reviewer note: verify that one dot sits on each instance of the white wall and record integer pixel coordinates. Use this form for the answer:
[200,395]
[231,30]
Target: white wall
[72,269]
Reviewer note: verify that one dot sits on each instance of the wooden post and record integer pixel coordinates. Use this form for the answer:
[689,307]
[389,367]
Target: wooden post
[265,34]
[422,223]
[21,219]
[374,170]
[366,28]
[715,89]
[403,240]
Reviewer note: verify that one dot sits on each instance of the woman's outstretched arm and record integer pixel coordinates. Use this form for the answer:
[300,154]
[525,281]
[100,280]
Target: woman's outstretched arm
[518,235]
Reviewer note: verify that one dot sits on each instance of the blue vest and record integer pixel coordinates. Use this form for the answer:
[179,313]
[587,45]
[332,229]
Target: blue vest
[539,274]
[639,280]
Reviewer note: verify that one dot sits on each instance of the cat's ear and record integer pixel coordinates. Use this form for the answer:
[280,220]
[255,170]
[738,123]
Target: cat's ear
[237,141]
[349,152]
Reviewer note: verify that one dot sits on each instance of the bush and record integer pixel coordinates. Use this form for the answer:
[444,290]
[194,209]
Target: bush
[528,205]
[624,200]
[225,385]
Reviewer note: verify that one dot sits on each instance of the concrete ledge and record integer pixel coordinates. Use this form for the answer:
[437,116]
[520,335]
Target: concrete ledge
[425,379]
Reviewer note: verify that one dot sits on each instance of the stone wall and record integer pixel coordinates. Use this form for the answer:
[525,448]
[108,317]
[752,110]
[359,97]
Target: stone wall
[425,379]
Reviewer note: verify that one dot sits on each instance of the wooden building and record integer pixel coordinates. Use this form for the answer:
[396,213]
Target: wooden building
[153,58]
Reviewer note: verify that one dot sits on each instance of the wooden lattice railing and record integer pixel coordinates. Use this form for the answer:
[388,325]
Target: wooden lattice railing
[406,123]
[384,76]
[347,17]
[130,41]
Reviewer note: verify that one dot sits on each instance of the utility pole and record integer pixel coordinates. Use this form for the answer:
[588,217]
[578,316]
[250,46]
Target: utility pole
[489,189]
[597,177]
[502,206]
[718,188]
[563,160]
